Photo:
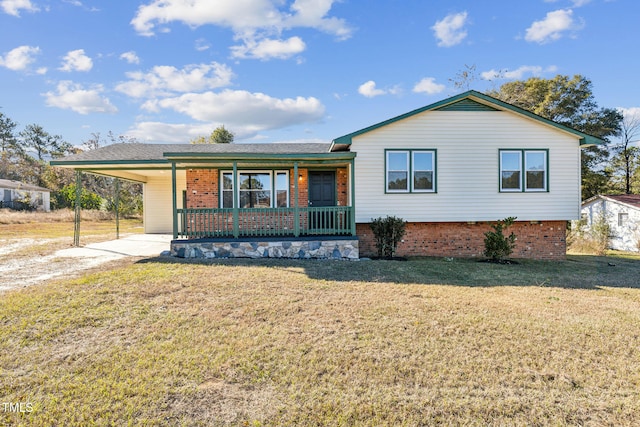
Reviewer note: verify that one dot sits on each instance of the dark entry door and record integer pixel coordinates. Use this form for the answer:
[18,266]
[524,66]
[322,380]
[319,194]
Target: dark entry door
[322,192]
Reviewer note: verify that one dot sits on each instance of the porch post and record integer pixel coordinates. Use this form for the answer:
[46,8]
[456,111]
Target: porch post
[353,197]
[296,208]
[76,219]
[236,227]
[117,203]
[174,201]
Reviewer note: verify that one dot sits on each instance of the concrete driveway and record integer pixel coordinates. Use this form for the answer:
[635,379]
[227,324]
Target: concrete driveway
[137,245]
[25,270]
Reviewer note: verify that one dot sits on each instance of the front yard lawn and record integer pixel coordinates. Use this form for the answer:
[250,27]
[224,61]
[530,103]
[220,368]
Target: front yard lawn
[303,343]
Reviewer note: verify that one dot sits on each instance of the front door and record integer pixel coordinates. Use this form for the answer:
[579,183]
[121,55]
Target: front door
[322,192]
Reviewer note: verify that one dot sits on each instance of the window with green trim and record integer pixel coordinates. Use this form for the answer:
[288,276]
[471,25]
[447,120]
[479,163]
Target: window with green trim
[410,171]
[524,170]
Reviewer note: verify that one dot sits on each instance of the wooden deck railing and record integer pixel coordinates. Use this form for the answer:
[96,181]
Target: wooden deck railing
[266,222]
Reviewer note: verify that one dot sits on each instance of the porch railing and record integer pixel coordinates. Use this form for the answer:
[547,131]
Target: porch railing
[266,222]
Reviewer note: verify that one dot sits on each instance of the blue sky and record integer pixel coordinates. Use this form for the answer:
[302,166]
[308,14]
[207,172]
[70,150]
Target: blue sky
[291,70]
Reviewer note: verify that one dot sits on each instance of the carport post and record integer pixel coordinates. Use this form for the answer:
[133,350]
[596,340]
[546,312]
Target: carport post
[117,203]
[174,201]
[76,219]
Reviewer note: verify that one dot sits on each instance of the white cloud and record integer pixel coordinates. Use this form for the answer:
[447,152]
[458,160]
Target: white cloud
[255,22]
[552,27]
[251,112]
[166,80]
[72,96]
[628,113]
[450,30]
[13,7]
[240,15]
[76,60]
[169,132]
[269,48]
[518,73]
[131,57]
[429,86]
[19,58]
[370,90]
[202,45]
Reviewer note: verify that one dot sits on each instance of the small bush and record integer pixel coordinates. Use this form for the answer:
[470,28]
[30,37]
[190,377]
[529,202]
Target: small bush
[497,246]
[592,239]
[388,232]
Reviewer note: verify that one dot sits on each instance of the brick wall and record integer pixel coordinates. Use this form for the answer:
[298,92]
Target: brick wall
[202,188]
[545,240]
[342,183]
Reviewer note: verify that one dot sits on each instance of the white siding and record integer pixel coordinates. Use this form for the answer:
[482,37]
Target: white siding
[158,204]
[467,145]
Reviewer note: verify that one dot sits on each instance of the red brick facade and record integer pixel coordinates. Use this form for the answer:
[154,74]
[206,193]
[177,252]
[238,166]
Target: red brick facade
[203,188]
[545,240]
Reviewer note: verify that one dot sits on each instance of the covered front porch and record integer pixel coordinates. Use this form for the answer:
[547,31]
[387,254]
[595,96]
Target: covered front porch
[264,205]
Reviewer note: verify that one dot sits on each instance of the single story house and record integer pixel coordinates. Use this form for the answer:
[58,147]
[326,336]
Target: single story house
[448,169]
[621,213]
[19,195]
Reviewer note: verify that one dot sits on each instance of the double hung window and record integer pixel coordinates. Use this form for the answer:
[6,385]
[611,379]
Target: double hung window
[410,171]
[523,170]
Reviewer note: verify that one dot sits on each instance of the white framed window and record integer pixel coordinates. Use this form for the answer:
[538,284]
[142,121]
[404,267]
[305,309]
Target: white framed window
[256,189]
[410,171]
[524,170]
[227,190]
[510,171]
[535,165]
[397,171]
[282,189]
[423,168]
[623,217]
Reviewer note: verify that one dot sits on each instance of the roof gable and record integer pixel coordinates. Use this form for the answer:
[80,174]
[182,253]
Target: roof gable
[18,185]
[631,200]
[468,101]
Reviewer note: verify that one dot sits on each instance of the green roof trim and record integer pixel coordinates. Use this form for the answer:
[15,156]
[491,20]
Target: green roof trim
[467,105]
[473,96]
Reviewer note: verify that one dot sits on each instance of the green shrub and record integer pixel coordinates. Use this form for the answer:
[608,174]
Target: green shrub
[497,246]
[66,198]
[387,232]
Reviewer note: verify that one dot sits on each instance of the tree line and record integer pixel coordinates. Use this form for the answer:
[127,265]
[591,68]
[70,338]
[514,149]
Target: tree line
[25,156]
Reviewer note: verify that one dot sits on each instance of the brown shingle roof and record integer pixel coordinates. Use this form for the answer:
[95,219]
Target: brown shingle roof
[138,152]
[629,199]
[17,185]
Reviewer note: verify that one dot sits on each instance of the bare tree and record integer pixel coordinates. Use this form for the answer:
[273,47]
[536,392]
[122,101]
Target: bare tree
[626,155]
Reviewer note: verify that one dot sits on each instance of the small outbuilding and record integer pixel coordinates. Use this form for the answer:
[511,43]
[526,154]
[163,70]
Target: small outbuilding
[621,213]
[19,195]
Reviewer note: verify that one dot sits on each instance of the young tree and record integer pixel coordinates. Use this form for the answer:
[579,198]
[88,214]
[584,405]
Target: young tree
[220,135]
[570,102]
[626,156]
[9,148]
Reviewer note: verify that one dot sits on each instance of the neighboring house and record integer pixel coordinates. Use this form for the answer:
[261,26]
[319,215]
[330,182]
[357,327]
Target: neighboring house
[621,212]
[17,195]
[448,169]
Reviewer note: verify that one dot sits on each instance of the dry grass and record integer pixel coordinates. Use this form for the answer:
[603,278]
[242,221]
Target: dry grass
[8,216]
[310,343]
[59,224]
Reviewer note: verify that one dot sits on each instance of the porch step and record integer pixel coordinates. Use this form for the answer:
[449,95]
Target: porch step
[318,247]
